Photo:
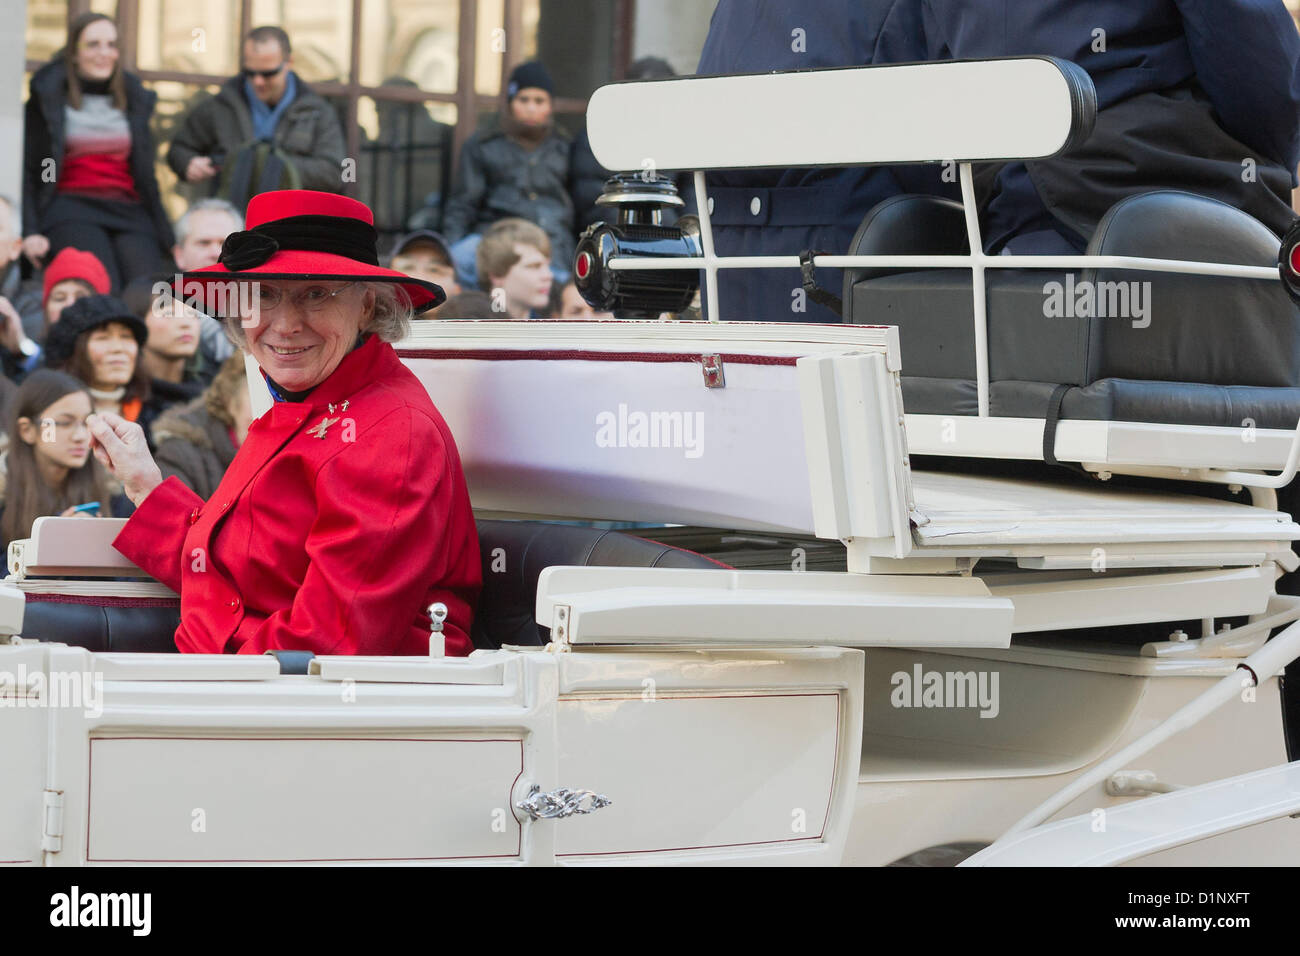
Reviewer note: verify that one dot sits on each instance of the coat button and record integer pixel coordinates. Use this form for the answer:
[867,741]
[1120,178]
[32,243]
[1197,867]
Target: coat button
[225,505]
[532,195]
[233,605]
[194,516]
[755,206]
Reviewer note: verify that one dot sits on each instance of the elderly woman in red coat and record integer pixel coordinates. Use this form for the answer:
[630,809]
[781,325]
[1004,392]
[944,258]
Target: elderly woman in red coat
[344,515]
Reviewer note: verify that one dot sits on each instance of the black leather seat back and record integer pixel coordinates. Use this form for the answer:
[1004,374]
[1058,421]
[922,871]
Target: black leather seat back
[1209,329]
[515,553]
[935,316]
[907,225]
[1185,349]
[933,340]
[933,308]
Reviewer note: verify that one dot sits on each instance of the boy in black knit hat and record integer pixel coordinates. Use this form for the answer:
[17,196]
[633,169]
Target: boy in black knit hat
[519,169]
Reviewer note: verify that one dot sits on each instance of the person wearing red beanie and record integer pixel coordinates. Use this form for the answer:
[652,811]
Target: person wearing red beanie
[70,276]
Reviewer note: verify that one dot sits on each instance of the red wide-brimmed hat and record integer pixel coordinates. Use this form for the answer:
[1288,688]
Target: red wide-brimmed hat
[301,234]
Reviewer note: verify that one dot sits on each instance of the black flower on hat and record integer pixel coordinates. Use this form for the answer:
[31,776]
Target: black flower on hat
[247,250]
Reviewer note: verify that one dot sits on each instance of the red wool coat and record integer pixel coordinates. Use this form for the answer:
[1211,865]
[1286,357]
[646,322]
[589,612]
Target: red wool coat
[335,544]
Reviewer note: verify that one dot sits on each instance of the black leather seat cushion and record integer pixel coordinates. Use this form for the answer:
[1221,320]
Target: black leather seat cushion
[933,308]
[935,316]
[103,624]
[1113,399]
[515,553]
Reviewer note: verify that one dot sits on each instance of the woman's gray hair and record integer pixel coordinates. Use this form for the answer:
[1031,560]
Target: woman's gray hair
[393,312]
[391,322]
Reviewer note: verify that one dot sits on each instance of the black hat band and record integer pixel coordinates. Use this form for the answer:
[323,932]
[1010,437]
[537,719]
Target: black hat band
[336,235]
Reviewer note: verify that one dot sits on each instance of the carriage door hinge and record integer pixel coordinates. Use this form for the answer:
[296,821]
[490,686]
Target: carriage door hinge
[52,821]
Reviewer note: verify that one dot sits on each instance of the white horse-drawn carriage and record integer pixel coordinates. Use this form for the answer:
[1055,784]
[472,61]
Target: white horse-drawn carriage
[822,648]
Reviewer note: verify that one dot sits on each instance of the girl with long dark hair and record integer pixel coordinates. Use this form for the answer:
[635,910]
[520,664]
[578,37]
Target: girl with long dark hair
[48,468]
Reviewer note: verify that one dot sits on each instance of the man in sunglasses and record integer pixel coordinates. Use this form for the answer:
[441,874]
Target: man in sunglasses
[264,130]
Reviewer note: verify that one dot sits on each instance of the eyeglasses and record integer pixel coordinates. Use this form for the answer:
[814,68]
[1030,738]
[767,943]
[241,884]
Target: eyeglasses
[64,424]
[314,298]
[264,74]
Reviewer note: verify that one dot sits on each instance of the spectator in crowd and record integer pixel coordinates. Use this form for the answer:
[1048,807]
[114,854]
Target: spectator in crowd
[201,230]
[196,442]
[88,163]
[98,340]
[199,234]
[470,304]
[586,175]
[72,275]
[48,468]
[574,306]
[520,169]
[265,129]
[168,354]
[20,353]
[424,254]
[513,268]
[23,295]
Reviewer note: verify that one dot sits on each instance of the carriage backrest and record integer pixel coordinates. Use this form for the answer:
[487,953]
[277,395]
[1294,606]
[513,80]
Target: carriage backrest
[963,111]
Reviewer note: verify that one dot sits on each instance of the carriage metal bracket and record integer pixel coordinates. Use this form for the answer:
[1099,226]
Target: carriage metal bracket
[1138,783]
[561,803]
[561,616]
[52,821]
[714,374]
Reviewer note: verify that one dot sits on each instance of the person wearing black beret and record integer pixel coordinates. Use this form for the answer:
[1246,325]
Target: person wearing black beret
[98,339]
[519,169]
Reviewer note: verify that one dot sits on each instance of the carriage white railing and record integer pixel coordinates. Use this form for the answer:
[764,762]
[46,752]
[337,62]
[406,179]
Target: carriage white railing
[974,111]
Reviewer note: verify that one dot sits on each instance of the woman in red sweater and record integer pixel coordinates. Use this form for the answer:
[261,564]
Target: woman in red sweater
[88,163]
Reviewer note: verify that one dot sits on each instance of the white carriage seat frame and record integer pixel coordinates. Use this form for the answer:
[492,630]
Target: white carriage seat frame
[638,126]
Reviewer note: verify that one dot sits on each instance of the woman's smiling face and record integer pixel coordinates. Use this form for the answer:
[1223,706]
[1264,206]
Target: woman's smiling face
[300,339]
[112,350]
[96,54]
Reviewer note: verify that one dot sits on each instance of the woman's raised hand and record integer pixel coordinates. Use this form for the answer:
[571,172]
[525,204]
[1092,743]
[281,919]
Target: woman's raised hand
[121,447]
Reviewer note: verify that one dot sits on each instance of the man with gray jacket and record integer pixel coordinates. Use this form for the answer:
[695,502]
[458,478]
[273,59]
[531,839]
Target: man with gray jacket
[264,130]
